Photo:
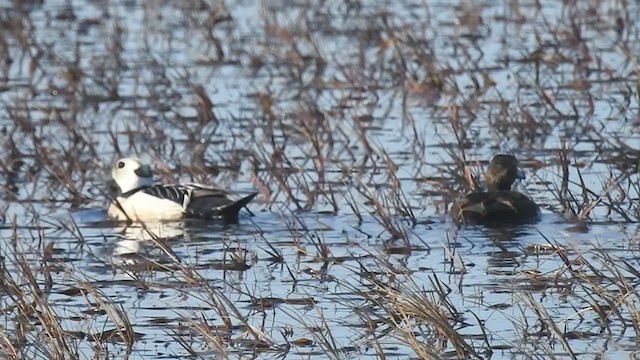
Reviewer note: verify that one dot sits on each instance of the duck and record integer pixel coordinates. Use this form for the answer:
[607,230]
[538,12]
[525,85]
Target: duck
[140,199]
[498,205]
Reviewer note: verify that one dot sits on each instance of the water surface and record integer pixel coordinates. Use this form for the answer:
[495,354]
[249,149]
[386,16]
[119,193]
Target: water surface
[355,121]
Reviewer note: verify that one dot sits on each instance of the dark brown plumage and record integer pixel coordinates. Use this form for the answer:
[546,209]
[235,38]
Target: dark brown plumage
[499,205]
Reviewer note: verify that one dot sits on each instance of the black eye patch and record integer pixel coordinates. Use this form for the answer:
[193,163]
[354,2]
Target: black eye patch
[120,164]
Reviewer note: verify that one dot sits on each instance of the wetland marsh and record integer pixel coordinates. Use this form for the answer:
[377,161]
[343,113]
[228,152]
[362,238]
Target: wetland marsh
[358,122]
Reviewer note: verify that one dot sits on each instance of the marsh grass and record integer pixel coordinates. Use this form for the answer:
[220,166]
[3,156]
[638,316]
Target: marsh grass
[359,124]
[398,306]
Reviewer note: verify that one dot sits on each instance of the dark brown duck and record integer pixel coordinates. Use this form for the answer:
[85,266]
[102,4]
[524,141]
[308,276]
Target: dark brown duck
[499,205]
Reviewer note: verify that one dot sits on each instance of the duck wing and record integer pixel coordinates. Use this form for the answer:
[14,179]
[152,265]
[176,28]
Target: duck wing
[498,207]
[212,202]
[177,193]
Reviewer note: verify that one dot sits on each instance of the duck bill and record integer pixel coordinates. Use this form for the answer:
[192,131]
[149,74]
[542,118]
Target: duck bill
[521,175]
[143,171]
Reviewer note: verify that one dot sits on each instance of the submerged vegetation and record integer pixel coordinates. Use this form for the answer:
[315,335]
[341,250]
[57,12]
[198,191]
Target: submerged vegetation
[359,123]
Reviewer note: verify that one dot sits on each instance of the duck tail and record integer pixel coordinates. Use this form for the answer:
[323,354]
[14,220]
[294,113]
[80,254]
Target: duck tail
[231,211]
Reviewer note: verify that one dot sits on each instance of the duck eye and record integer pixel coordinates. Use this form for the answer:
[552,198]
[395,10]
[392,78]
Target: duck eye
[120,164]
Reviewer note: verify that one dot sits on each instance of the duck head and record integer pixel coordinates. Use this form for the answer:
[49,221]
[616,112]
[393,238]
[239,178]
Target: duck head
[502,173]
[130,174]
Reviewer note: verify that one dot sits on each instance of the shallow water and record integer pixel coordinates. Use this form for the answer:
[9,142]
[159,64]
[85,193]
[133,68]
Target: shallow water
[325,109]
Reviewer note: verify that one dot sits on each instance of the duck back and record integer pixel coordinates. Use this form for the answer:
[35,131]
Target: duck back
[214,205]
[495,208]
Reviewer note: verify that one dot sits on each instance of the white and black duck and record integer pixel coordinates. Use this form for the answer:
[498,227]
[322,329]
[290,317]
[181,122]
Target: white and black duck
[142,200]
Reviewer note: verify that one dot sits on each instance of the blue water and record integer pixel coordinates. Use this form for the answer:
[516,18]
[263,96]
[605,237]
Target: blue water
[155,55]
